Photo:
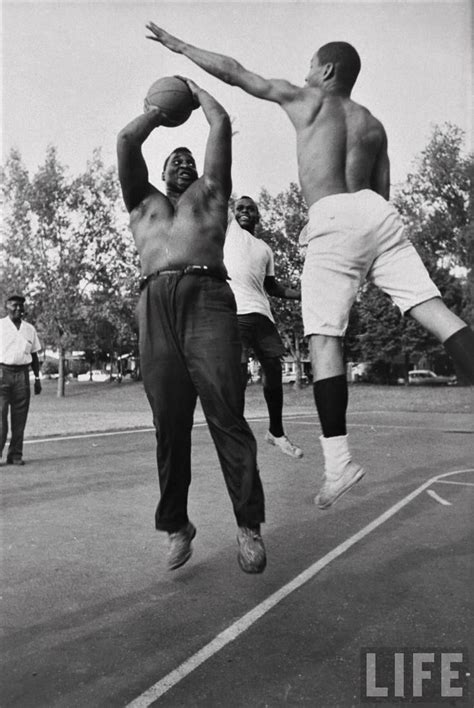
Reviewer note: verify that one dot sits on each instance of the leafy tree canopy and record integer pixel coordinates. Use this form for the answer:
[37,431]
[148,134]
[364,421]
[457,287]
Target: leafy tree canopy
[66,248]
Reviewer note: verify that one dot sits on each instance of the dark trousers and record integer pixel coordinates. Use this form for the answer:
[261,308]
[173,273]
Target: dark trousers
[189,347]
[14,395]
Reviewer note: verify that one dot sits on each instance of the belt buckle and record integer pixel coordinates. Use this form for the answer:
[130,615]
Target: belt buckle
[195,268]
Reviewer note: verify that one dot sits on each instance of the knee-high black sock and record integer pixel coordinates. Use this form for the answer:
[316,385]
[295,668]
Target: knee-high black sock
[460,347]
[331,396]
[274,399]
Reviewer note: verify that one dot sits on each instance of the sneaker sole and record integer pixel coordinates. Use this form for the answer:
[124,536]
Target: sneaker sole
[289,454]
[345,489]
[186,557]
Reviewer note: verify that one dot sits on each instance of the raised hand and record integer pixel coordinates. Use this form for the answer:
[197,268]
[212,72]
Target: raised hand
[193,87]
[164,38]
[158,113]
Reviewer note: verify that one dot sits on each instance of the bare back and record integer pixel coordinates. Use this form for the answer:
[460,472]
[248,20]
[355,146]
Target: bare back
[191,232]
[341,147]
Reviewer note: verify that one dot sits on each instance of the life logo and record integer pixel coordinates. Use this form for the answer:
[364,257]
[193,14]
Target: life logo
[414,675]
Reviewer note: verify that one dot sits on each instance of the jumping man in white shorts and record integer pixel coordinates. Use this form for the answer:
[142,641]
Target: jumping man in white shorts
[342,156]
[352,237]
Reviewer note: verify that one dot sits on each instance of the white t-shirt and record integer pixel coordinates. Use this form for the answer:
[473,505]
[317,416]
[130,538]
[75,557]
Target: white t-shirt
[248,260]
[17,345]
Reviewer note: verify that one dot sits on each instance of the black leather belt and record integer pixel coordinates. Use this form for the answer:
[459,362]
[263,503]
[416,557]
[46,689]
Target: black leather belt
[188,270]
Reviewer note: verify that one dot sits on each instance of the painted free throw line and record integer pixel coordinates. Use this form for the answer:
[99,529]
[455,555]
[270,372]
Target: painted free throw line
[247,620]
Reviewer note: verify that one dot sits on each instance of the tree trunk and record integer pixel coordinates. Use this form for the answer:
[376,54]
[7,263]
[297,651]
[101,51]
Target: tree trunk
[406,367]
[61,391]
[297,355]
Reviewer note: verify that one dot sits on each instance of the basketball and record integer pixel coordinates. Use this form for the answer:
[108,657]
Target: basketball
[173,97]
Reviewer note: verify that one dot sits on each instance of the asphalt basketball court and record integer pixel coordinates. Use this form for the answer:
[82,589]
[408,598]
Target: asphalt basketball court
[93,618]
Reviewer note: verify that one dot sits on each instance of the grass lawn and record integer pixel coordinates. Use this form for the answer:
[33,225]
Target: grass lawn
[92,406]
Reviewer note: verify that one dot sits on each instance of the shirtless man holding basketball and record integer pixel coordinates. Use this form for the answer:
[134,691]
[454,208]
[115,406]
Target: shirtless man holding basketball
[188,331]
[353,232]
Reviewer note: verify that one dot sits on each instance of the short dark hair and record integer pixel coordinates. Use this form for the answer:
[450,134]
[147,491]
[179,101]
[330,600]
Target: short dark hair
[16,298]
[245,196]
[179,149]
[345,57]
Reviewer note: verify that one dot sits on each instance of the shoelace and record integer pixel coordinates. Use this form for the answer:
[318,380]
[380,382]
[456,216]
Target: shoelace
[255,535]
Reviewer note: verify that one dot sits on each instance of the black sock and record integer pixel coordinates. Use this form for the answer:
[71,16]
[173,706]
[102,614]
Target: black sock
[274,399]
[460,347]
[331,396]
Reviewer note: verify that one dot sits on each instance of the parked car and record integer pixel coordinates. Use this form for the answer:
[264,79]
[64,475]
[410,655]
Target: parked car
[97,375]
[425,377]
[288,378]
[360,372]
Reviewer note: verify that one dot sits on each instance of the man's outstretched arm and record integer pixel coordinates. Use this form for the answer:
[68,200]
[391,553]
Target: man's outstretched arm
[277,289]
[227,69]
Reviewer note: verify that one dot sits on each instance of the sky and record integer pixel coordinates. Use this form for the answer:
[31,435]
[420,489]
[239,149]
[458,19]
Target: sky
[75,73]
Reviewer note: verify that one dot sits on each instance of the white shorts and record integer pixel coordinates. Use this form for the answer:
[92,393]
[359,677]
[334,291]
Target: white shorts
[352,237]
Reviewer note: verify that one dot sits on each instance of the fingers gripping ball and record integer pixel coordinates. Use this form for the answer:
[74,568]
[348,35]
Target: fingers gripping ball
[173,97]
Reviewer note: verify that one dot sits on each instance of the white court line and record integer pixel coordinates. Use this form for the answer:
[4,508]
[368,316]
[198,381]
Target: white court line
[247,620]
[386,425]
[108,433]
[201,424]
[437,498]
[83,436]
[461,484]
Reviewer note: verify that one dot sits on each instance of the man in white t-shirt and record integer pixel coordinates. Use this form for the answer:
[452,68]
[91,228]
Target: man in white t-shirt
[19,347]
[249,263]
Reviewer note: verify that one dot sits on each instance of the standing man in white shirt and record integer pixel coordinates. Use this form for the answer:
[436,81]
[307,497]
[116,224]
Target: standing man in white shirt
[19,347]
[250,265]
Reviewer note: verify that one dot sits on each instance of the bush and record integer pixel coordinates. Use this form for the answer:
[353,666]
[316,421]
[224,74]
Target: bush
[50,367]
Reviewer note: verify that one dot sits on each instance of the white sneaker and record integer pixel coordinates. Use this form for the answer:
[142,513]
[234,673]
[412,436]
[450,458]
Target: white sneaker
[340,473]
[335,487]
[284,444]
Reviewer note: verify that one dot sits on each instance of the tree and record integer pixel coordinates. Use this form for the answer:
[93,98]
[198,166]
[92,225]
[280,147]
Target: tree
[113,288]
[16,209]
[434,204]
[65,248]
[282,220]
[466,239]
[434,201]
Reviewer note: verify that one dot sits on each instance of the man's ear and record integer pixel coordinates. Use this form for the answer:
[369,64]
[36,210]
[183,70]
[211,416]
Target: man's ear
[329,71]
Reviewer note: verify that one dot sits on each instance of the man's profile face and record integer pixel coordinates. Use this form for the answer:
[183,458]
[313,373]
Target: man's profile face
[180,170]
[15,310]
[315,74]
[246,213]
